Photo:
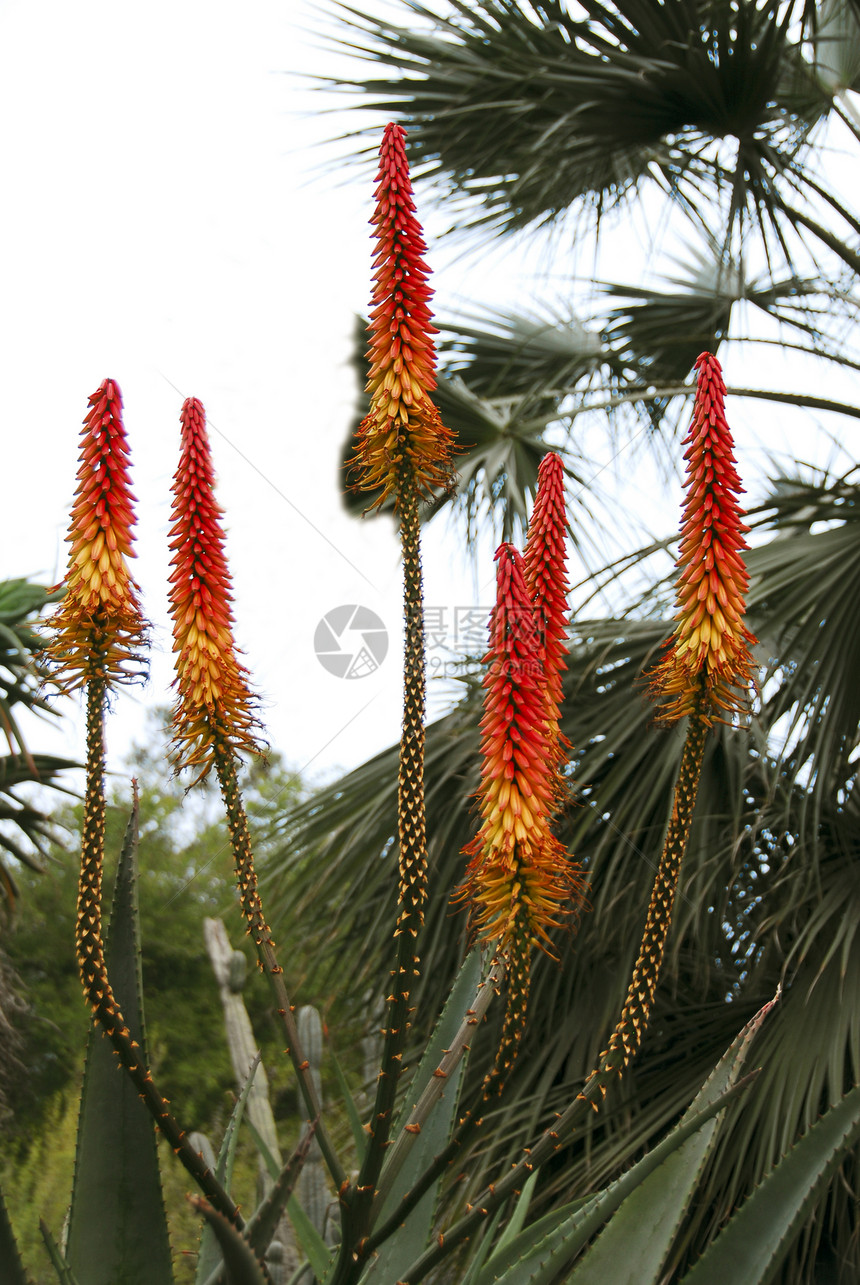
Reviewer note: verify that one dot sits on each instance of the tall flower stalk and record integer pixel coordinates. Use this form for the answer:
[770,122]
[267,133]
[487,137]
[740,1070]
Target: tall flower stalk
[96,637]
[703,676]
[402,453]
[519,882]
[214,717]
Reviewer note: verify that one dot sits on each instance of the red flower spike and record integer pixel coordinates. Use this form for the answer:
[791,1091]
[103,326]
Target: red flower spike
[546,582]
[99,625]
[403,427]
[707,664]
[519,880]
[215,704]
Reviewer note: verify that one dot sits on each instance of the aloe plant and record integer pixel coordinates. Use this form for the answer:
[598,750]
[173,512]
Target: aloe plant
[519,885]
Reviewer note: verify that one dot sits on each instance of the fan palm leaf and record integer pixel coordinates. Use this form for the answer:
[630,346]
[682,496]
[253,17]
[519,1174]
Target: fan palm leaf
[24,828]
[806,593]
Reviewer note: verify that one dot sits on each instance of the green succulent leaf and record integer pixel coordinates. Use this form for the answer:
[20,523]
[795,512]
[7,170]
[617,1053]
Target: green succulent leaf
[273,1169]
[411,1239]
[543,1249]
[751,1248]
[653,1194]
[242,1265]
[520,1212]
[482,1250]
[11,1267]
[117,1224]
[512,1229]
[636,1243]
[65,1275]
[209,1256]
[319,1255]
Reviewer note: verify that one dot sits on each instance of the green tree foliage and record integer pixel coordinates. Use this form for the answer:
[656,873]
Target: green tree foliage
[185,874]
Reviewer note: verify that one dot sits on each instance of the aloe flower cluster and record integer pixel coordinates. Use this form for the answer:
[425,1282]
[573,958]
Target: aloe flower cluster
[704,675]
[707,665]
[99,628]
[214,704]
[95,638]
[402,434]
[520,882]
[402,453]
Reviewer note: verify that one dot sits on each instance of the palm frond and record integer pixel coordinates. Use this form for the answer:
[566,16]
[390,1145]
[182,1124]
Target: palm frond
[805,592]
[503,354]
[683,93]
[24,828]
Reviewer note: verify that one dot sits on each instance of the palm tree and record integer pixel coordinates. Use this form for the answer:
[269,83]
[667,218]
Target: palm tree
[711,115]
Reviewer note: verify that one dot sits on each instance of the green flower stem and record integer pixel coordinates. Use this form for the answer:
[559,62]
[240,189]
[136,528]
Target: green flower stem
[91,963]
[626,1038]
[357,1199]
[258,929]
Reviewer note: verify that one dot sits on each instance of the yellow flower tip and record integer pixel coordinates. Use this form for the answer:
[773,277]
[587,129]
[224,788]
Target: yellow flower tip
[215,706]
[707,664]
[99,628]
[403,429]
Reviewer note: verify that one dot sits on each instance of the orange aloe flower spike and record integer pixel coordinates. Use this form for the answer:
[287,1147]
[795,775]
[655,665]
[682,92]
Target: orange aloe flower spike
[402,451]
[707,664]
[546,581]
[704,675]
[519,881]
[99,626]
[95,636]
[214,718]
[402,432]
[519,877]
[214,701]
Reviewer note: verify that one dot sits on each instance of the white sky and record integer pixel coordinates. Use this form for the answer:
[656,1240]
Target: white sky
[167,223]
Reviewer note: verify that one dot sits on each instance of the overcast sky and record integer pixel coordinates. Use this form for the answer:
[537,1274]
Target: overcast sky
[168,221]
